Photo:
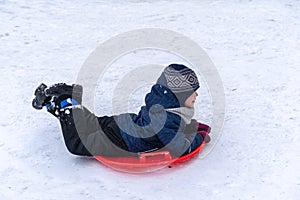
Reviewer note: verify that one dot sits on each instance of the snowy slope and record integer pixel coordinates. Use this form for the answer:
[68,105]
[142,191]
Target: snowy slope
[255,47]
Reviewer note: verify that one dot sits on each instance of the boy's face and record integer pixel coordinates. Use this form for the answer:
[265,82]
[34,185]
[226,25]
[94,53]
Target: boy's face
[189,102]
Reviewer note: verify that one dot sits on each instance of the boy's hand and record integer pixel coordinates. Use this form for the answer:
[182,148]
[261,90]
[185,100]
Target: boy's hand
[203,127]
[205,136]
[199,128]
[204,130]
[192,127]
[195,126]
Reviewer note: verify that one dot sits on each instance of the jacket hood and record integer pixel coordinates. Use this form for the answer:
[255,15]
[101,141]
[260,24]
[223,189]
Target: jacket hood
[161,95]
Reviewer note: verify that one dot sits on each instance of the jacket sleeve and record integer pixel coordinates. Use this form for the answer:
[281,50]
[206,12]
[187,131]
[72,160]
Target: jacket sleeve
[196,140]
[179,143]
[190,132]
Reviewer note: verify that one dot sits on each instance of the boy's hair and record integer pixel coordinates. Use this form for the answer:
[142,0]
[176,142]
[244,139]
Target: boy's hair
[181,80]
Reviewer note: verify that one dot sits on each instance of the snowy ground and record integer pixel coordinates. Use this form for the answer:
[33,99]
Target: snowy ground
[255,47]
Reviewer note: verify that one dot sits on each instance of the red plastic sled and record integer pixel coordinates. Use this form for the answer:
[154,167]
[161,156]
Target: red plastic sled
[146,162]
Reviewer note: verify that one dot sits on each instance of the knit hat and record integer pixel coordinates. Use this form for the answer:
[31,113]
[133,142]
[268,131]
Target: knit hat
[181,80]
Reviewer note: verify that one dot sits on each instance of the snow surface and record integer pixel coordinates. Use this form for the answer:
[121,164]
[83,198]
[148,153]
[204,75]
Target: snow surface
[255,47]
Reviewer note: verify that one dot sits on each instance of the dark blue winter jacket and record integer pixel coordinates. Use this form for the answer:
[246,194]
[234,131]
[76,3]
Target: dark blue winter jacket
[154,128]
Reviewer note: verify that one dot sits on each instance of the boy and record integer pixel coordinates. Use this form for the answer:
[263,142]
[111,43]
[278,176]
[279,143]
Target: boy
[165,122]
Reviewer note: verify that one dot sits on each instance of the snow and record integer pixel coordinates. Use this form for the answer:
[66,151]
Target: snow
[255,47]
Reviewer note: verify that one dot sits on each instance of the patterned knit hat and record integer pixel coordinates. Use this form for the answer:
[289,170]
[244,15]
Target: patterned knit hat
[181,80]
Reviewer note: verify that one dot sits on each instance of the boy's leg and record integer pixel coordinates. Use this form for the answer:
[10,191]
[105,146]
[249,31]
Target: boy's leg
[86,134]
[112,131]
[83,132]
[70,133]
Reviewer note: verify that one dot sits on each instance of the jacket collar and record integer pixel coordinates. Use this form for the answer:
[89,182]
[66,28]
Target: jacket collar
[184,112]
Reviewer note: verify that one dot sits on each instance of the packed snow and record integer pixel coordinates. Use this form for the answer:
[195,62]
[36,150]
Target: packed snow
[255,46]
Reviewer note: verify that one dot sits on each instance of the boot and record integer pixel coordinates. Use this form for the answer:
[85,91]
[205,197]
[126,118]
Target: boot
[58,95]
[63,98]
[40,99]
[63,91]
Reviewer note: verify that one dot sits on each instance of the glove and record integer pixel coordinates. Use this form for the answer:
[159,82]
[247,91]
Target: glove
[204,130]
[195,126]
[205,136]
[203,127]
[192,127]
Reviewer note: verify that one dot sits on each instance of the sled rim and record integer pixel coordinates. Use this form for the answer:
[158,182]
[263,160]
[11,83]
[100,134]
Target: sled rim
[137,166]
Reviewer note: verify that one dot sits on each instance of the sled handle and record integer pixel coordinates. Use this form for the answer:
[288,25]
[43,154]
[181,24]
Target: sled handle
[164,154]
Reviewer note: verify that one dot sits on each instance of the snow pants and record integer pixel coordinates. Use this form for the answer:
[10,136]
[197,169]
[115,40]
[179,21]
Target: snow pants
[88,135]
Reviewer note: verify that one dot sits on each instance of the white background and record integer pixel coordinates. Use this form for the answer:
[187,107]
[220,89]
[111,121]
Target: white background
[255,47]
